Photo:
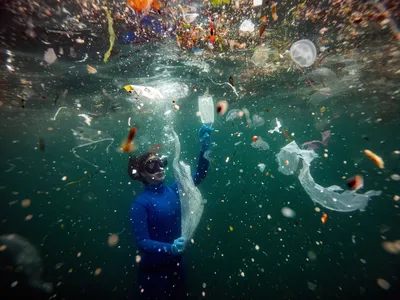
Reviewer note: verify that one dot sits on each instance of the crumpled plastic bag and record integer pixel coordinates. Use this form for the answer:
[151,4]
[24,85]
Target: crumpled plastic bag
[192,202]
[145,91]
[247,26]
[289,158]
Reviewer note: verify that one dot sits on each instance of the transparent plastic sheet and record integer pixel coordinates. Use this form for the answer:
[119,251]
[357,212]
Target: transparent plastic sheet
[192,203]
[288,159]
[144,91]
[260,144]
[206,108]
[25,258]
[233,114]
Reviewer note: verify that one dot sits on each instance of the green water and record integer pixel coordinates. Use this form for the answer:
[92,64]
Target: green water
[79,217]
[244,248]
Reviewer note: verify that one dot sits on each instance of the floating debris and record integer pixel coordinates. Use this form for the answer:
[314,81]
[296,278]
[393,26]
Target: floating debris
[355,183]
[273,11]
[91,70]
[375,158]
[288,212]
[50,56]
[222,107]
[113,240]
[26,203]
[97,272]
[111,33]
[383,283]
[324,218]
[128,146]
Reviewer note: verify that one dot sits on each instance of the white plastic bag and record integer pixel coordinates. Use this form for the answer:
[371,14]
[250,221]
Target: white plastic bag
[145,91]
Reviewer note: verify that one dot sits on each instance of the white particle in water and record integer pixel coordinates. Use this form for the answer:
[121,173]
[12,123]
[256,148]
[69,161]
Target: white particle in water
[311,286]
[395,177]
[59,265]
[383,283]
[288,212]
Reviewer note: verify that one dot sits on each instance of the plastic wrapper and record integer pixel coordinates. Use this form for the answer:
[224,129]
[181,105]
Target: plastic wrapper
[289,158]
[260,144]
[144,91]
[206,108]
[233,114]
[247,26]
[257,121]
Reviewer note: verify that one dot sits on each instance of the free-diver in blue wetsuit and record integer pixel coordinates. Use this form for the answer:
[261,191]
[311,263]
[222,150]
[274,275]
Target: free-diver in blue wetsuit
[156,220]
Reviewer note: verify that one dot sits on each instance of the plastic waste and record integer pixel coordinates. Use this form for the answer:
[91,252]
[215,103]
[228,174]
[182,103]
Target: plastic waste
[261,167]
[24,258]
[190,17]
[246,26]
[260,144]
[277,127]
[127,37]
[263,55]
[233,114]
[152,23]
[192,203]
[323,76]
[112,35]
[50,56]
[303,53]
[206,108]
[145,91]
[326,135]
[320,96]
[257,121]
[289,158]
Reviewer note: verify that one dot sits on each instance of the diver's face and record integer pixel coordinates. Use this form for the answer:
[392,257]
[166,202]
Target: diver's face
[155,172]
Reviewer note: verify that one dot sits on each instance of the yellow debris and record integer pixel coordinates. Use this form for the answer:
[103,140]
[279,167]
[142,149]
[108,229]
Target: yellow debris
[112,35]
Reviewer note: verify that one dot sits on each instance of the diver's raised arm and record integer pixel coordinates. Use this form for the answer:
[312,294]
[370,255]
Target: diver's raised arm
[203,163]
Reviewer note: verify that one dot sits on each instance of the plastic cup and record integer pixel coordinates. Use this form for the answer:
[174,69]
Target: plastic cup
[303,53]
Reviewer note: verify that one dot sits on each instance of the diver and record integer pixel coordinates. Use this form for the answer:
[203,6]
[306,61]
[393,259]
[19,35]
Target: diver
[156,219]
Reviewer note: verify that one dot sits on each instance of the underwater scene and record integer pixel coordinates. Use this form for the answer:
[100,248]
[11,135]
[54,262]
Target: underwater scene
[205,149]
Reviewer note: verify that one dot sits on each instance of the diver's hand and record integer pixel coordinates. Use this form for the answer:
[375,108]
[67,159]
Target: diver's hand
[178,246]
[205,138]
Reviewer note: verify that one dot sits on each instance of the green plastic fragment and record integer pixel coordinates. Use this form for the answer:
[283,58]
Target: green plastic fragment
[220,2]
[112,35]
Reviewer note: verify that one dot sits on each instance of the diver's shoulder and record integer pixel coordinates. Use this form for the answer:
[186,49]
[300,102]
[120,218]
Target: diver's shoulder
[141,199]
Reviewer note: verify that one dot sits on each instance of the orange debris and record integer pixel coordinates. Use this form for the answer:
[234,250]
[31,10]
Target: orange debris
[375,158]
[324,218]
[273,11]
[144,5]
[128,145]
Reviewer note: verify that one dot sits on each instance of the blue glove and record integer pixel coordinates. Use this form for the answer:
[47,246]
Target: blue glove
[178,246]
[205,138]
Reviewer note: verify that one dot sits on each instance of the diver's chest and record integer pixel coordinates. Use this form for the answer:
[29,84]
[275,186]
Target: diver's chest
[166,206]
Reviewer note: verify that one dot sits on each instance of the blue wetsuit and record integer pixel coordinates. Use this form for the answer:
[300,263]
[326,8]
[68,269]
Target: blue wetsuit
[156,220]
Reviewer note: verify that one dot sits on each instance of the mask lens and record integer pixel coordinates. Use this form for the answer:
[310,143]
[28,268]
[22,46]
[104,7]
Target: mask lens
[154,166]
